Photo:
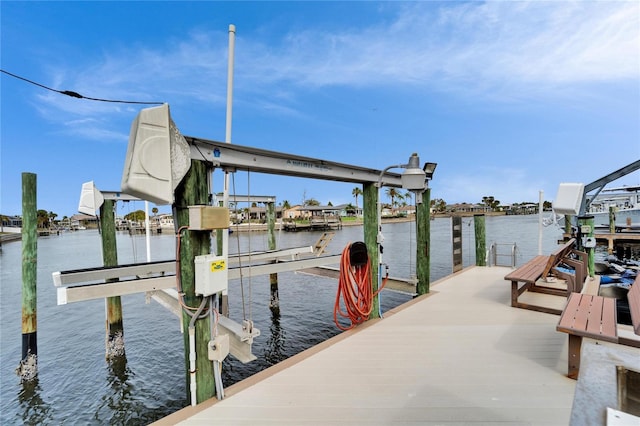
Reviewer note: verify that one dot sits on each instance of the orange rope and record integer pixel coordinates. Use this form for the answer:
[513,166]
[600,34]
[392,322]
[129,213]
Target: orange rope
[354,286]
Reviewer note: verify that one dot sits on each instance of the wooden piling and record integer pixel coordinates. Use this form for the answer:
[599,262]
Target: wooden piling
[481,244]
[456,247]
[423,242]
[586,231]
[371,228]
[567,224]
[28,368]
[274,301]
[193,190]
[114,339]
[612,220]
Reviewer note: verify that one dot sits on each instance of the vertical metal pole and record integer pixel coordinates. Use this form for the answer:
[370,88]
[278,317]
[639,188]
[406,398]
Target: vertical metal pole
[115,327]
[481,244]
[147,228]
[423,242]
[540,211]
[224,299]
[28,368]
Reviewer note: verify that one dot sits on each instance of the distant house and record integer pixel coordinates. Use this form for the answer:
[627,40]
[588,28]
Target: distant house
[11,221]
[83,221]
[322,211]
[468,208]
[293,212]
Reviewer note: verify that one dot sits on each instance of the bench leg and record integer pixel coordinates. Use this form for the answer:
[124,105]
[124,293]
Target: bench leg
[575,342]
[514,294]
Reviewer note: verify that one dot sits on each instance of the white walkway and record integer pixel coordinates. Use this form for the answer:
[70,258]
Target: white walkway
[459,356]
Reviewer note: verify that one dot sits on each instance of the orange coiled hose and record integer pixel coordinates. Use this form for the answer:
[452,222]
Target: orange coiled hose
[355,289]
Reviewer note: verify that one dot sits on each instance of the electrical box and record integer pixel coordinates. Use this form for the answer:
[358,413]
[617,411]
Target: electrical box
[569,198]
[588,242]
[211,274]
[218,348]
[205,218]
[158,157]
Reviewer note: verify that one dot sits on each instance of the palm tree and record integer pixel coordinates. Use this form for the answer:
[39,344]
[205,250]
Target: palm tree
[408,196]
[52,218]
[392,193]
[356,192]
[154,211]
[3,219]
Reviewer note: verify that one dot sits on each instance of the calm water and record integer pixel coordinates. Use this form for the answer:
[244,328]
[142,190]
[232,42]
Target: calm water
[77,386]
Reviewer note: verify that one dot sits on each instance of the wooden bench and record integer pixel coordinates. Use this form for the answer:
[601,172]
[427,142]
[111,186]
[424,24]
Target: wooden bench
[530,273]
[595,317]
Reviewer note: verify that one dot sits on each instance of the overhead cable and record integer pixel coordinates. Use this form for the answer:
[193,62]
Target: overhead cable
[78,95]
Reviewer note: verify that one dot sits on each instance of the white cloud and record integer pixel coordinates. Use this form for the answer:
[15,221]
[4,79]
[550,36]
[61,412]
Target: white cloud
[498,49]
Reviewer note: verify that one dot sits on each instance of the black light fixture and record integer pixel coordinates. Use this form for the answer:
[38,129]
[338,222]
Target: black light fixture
[429,169]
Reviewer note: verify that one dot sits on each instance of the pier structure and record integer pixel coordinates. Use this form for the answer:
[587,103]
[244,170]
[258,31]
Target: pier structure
[458,355]
[180,173]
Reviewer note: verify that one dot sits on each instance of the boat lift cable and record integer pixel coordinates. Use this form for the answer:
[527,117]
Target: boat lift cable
[249,247]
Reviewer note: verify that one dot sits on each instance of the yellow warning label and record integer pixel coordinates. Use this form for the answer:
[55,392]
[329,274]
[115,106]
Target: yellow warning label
[218,265]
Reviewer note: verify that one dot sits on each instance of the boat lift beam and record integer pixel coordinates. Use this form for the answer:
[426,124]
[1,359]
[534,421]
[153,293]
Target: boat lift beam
[599,184]
[240,339]
[78,293]
[232,157]
[163,267]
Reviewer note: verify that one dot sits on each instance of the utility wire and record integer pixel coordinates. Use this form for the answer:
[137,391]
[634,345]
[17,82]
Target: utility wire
[78,95]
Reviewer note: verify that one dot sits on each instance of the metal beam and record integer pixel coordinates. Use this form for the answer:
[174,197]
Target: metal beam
[163,267]
[237,157]
[235,198]
[120,288]
[100,291]
[600,184]
[240,339]
[118,196]
[133,270]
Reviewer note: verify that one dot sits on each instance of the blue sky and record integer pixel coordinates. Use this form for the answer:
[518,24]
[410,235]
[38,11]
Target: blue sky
[509,98]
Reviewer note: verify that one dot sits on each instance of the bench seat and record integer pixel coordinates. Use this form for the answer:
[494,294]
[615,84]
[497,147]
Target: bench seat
[595,317]
[528,277]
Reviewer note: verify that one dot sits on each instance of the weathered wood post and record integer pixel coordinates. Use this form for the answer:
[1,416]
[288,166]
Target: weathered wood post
[612,220]
[423,243]
[481,244]
[114,340]
[456,247]
[274,301]
[371,228]
[586,233]
[567,225]
[28,368]
[193,190]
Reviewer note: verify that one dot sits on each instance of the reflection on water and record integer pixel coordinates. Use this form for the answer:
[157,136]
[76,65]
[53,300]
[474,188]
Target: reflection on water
[117,405]
[33,408]
[77,386]
[274,351]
